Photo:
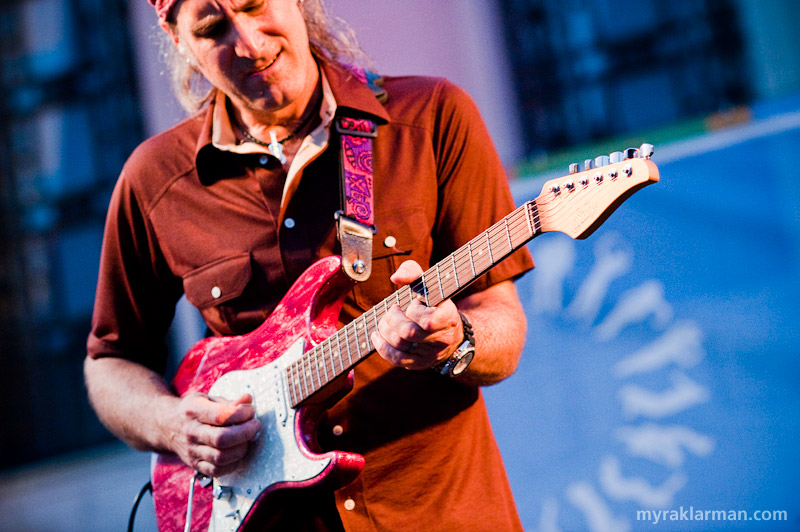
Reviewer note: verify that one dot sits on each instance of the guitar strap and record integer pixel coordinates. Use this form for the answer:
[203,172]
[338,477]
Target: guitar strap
[355,222]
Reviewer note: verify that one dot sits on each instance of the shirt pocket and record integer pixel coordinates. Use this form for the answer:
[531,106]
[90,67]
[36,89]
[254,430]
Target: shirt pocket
[219,281]
[402,235]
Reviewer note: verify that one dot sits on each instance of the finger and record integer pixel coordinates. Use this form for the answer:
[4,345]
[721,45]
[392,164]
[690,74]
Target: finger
[227,437]
[399,331]
[221,412]
[216,462]
[433,319]
[407,272]
[393,355]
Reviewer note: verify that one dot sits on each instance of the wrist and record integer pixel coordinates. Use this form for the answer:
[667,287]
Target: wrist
[461,358]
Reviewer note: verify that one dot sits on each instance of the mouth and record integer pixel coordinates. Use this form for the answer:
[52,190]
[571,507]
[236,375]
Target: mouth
[262,66]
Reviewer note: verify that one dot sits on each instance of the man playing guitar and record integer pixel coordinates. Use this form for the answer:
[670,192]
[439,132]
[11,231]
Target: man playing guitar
[230,207]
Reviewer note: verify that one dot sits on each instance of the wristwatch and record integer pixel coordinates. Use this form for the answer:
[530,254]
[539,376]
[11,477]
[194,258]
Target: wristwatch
[461,358]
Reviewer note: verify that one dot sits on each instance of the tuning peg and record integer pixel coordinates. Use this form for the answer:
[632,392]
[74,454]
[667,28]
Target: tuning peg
[601,160]
[631,153]
[646,151]
[588,164]
[616,157]
[574,168]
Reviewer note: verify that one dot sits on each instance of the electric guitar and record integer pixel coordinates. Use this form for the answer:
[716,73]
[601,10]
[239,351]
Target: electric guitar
[296,363]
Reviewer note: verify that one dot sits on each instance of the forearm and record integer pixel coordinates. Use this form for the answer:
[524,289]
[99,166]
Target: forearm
[132,401]
[499,326]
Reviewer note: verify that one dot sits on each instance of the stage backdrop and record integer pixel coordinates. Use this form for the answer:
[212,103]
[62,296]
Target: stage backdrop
[663,355]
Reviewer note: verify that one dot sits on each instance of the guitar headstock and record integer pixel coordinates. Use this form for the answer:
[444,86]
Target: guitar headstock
[579,203]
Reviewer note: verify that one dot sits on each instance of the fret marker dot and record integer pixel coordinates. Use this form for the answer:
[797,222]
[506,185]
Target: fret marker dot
[363,345]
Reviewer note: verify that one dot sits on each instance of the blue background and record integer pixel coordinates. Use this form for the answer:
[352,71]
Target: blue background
[719,234]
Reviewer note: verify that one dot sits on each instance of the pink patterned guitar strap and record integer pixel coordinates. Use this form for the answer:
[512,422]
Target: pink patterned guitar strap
[356,219]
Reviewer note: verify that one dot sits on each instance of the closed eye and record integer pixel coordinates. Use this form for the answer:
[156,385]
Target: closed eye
[251,6]
[208,27]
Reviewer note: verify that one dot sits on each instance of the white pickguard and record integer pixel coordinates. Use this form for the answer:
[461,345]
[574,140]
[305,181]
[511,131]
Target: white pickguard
[275,457]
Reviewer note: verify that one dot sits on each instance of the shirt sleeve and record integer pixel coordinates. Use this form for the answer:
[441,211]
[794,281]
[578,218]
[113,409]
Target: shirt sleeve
[136,292]
[473,188]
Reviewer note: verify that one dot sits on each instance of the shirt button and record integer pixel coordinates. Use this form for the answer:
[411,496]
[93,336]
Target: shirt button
[390,241]
[216,292]
[288,223]
[263,160]
[338,430]
[349,504]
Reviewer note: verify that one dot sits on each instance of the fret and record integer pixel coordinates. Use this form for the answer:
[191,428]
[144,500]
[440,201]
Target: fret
[408,297]
[361,345]
[367,345]
[480,256]
[289,388]
[528,219]
[339,353]
[508,235]
[312,369]
[301,375]
[455,270]
[446,272]
[500,240]
[324,361]
[375,317]
[471,259]
[425,290]
[489,247]
[439,280]
[347,343]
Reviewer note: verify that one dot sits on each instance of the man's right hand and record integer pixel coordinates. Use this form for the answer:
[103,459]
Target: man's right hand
[209,434]
[214,434]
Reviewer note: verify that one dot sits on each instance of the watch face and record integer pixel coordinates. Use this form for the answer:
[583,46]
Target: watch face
[463,362]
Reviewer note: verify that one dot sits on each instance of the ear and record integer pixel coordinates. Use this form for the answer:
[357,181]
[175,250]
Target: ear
[166,26]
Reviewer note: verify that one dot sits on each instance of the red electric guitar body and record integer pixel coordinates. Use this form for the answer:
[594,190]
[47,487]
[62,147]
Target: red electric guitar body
[297,363]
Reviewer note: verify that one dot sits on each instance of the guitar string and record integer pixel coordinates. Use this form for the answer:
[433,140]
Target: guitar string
[512,230]
[545,209]
[316,357]
[503,228]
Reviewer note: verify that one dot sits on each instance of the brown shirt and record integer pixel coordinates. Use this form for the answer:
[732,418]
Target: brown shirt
[188,218]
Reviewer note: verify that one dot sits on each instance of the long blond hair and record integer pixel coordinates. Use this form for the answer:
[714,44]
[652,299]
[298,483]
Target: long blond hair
[330,37]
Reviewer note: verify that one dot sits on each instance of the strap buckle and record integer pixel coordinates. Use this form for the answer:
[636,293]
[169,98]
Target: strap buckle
[356,240]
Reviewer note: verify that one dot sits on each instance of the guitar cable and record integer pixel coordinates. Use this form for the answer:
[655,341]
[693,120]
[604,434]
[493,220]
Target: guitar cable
[147,487]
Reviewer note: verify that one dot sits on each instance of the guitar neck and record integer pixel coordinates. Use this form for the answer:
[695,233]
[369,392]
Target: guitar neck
[575,205]
[349,345]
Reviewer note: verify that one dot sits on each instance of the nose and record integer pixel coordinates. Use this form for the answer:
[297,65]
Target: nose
[245,39]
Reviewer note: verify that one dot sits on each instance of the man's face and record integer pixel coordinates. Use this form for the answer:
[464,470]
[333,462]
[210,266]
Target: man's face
[255,51]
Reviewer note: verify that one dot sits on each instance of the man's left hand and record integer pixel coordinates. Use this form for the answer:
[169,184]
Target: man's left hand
[422,336]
